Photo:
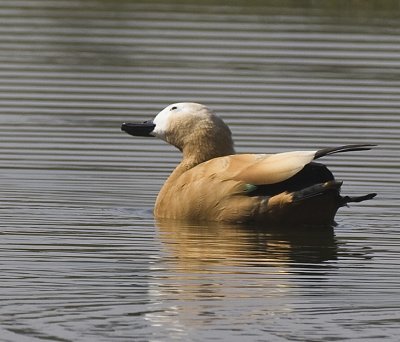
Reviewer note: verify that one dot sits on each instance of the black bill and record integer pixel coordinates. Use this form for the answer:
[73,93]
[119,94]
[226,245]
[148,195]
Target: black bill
[139,129]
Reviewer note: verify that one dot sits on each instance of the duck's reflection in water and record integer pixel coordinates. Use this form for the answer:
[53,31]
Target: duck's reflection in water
[197,246]
[229,271]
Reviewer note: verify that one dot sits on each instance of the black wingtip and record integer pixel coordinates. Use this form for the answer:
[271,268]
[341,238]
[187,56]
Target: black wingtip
[346,148]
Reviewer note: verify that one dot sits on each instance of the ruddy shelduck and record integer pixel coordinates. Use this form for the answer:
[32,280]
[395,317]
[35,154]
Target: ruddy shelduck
[212,183]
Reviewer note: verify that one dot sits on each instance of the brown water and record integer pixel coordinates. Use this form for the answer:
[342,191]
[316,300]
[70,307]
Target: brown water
[81,256]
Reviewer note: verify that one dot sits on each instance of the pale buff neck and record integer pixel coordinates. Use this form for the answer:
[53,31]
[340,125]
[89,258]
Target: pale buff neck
[198,152]
[209,139]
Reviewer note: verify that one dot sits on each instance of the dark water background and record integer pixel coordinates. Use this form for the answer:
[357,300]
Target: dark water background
[81,256]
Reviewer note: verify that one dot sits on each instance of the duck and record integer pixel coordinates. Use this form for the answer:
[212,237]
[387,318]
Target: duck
[213,183]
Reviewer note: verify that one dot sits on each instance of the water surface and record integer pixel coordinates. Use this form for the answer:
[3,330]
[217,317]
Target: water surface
[81,255]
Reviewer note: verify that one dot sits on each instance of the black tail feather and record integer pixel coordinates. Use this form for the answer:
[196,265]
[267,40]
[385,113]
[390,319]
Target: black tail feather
[345,148]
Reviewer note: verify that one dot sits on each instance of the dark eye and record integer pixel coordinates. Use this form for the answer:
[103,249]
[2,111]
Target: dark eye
[173,108]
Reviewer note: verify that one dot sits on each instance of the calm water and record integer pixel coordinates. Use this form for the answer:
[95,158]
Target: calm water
[82,258]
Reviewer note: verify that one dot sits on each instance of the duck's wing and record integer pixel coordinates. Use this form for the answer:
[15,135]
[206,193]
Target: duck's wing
[268,169]
[276,168]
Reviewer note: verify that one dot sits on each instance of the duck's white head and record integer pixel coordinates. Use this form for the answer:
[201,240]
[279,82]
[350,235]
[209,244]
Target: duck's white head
[191,127]
[182,114]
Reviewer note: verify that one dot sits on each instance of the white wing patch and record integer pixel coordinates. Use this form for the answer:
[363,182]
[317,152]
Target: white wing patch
[275,168]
